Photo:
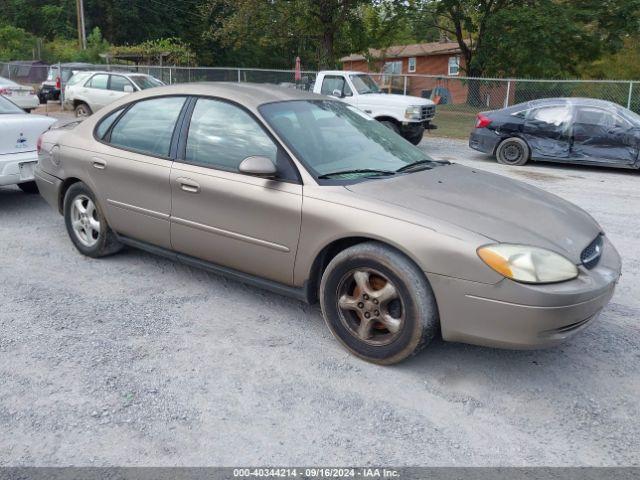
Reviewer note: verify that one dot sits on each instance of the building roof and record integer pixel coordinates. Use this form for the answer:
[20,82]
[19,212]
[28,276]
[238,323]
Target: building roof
[413,50]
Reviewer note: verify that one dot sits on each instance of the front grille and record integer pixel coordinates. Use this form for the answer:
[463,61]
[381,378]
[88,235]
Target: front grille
[590,256]
[428,112]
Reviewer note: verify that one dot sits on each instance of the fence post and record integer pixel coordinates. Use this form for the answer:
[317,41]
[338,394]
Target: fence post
[170,78]
[506,99]
[239,79]
[630,94]
[405,85]
[61,96]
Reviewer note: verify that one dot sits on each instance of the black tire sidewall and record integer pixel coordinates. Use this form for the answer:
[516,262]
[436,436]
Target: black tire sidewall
[505,143]
[413,334]
[391,126]
[96,250]
[86,107]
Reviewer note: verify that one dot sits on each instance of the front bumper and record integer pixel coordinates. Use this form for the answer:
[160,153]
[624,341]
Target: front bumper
[484,140]
[11,171]
[509,314]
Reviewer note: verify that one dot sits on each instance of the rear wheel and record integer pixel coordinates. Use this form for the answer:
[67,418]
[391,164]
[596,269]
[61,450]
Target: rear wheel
[378,303]
[83,110]
[512,151]
[86,224]
[28,187]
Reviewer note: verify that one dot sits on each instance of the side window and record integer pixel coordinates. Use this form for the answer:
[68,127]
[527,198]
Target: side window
[118,83]
[148,125]
[106,122]
[222,135]
[333,82]
[557,115]
[453,66]
[98,81]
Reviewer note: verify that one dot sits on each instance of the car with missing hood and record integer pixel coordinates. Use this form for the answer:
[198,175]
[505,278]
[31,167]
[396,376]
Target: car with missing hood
[310,197]
[569,130]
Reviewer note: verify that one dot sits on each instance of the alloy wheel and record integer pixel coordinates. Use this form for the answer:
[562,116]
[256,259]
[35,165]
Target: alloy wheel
[370,306]
[84,220]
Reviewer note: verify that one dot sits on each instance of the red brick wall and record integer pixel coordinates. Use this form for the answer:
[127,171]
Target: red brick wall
[426,65]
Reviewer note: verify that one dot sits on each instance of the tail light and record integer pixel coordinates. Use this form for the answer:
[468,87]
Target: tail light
[39,144]
[482,121]
[58,83]
[5,91]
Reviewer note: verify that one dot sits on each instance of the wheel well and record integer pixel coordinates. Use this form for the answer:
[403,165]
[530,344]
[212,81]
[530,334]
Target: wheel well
[78,102]
[63,191]
[388,119]
[328,253]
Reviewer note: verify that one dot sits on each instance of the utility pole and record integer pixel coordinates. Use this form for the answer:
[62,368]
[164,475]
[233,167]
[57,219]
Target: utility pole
[82,37]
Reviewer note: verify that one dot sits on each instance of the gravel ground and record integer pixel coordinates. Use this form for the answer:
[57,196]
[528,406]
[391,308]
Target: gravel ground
[135,360]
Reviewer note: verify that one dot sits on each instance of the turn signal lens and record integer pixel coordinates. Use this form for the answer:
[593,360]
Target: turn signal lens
[527,264]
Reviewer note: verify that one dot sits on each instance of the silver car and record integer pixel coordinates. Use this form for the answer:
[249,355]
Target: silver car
[309,197]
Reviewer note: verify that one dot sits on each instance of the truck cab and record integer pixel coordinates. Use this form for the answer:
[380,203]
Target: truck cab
[407,115]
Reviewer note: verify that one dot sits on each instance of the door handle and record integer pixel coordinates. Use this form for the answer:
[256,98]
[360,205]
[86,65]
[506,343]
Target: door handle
[99,164]
[188,185]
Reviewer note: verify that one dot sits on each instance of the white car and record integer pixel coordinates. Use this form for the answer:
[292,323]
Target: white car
[19,134]
[87,92]
[23,96]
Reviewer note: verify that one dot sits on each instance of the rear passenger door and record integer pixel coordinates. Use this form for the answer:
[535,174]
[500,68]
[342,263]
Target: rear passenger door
[131,167]
[96,91]
[220,215]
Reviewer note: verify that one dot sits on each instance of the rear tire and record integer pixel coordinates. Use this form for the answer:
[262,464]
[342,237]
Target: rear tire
[86,224]
[82,110]
[28,187]
[378,303]
[513,151]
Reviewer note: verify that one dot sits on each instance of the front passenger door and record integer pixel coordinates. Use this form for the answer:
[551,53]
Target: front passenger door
[220,215]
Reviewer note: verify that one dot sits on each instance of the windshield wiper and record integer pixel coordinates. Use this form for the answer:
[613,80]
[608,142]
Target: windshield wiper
[422,163]
[358,170]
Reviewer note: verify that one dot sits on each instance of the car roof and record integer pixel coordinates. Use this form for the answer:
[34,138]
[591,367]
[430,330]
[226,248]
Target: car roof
[588,102]
[342,72]
[251,95]
[116,72]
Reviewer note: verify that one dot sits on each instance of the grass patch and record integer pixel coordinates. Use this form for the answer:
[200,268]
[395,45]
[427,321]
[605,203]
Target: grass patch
[453,124]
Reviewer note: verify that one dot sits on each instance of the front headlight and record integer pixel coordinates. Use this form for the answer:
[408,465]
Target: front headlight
[527,264]
[413,112]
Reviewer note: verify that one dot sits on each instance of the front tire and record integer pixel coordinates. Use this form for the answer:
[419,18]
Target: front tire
[86,224]
[28,187]
[391,126]
[513,151]
[82,110]
[378,303]
[416,137]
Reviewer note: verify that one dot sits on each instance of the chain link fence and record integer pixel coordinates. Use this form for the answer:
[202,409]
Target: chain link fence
[458,99]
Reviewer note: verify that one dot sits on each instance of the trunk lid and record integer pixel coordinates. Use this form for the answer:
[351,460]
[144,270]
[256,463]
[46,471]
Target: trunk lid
[19,132]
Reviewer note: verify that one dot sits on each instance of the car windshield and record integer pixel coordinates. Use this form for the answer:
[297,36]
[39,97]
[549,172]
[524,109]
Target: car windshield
[334,138]
[144,82]
[364,84]
[8,107]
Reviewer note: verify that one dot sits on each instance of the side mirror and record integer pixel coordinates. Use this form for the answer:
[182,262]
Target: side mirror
[337,93]
[258,166]
[128,88]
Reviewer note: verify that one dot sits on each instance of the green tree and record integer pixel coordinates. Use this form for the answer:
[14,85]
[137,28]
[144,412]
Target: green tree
[15,43]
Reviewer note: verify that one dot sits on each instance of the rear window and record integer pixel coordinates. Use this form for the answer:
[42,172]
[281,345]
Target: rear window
[144,82]
[77,78]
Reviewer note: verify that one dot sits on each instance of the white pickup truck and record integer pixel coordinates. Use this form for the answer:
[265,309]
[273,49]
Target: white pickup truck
[407,115]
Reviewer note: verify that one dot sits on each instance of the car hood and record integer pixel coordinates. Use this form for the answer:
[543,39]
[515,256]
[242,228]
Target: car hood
[500,209]
[392,99]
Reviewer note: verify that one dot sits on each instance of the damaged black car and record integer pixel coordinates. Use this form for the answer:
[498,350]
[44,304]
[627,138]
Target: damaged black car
[570,130]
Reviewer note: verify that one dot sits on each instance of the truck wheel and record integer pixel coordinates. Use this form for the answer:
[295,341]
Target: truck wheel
[415,137]
[378,303]
[391,126]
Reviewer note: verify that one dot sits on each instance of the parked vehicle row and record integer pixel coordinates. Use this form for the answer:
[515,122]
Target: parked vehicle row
[308,196]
